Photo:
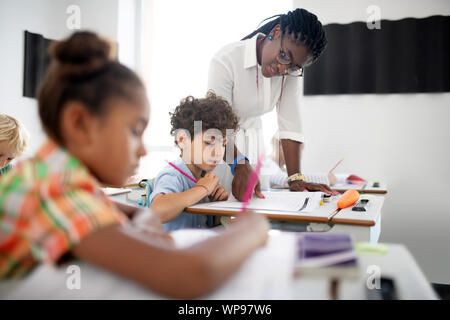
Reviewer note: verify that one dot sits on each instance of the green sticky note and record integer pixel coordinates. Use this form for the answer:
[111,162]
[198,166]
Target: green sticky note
[370,248]
[367,196]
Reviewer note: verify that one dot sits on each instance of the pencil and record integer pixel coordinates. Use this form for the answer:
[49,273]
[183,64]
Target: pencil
[336,165]
[182,172]
[251,184]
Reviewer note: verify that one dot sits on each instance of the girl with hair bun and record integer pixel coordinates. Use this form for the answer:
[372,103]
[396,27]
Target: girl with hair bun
[94,111]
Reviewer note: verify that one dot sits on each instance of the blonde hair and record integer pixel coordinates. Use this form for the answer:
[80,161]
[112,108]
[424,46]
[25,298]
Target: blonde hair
[11,130]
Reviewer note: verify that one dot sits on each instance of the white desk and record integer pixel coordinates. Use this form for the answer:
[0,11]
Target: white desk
[267,274]
[366,233]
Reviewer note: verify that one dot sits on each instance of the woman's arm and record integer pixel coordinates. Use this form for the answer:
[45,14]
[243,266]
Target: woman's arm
[242,173]
[292,155]
[180,273]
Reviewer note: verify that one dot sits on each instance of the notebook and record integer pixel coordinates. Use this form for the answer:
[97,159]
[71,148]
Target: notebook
[115,191]
[330,255]
[317,177]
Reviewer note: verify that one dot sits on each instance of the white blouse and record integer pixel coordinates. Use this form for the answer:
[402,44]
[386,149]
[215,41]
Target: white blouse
[232,75]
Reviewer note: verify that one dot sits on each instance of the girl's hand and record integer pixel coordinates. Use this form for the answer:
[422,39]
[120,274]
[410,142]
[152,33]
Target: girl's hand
[147,222]
[219,194]
[209,181]
[257,223]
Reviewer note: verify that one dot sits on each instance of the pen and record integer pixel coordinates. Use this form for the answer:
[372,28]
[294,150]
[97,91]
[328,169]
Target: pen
[336,165]
[251,184]
[182,172]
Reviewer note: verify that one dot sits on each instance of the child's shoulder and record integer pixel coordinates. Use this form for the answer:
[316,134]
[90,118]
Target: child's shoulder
[5,169]
[168,172]
[54,173]
[171,176]
[20,168]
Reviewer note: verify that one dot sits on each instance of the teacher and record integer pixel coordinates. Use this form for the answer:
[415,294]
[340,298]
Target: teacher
[262,71]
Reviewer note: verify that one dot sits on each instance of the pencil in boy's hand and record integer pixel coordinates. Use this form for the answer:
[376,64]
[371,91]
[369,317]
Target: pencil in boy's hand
[251,184]
[339,162]
[181,171]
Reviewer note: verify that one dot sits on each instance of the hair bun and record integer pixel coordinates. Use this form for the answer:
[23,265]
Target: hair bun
[80,54]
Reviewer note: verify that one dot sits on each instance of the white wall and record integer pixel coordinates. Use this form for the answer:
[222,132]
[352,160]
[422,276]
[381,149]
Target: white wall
[181,37]
[401,139]
[47,17]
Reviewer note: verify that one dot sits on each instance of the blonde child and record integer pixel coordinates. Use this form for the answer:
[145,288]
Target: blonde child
[94,111]
[201,151]
[13,141]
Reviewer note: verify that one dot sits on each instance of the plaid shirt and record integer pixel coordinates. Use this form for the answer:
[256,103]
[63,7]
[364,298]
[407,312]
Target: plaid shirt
[47,205]
[5,169]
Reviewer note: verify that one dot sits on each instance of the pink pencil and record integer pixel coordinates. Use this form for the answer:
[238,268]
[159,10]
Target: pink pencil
[182,172]
[251,184]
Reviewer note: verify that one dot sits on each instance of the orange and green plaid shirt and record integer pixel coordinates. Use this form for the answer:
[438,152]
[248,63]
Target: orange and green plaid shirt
[47,205]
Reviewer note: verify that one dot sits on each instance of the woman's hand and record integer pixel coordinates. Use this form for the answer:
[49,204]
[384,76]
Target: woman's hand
[307,186]
[210,181]
[219,194]
[242,175]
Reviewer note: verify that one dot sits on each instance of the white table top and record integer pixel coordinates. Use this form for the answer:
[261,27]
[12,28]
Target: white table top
[267,274]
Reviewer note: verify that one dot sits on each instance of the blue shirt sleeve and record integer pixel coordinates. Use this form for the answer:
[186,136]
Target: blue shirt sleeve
[167,182]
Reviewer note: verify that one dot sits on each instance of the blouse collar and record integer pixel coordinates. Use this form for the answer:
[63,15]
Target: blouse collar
[250,51]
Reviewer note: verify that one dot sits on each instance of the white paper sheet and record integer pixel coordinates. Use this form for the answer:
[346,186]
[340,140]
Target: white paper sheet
[113,191]
[276,201]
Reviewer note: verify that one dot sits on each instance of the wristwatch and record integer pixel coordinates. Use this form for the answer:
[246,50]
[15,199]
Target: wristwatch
[296,177]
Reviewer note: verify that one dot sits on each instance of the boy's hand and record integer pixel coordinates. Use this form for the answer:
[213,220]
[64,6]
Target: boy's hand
[210,181]
[219,194]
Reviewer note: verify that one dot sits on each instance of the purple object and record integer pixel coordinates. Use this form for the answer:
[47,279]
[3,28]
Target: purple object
[322,245]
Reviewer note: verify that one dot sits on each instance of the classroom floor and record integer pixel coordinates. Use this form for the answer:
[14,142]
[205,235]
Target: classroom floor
[443,290]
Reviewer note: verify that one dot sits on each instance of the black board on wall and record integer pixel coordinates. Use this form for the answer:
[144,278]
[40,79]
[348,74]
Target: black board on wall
[405,56]
[36,61]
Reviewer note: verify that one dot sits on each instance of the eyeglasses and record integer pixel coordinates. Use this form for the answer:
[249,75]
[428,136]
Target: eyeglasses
[284,59]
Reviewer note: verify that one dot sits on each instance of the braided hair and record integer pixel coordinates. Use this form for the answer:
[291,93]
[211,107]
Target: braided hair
[303,25]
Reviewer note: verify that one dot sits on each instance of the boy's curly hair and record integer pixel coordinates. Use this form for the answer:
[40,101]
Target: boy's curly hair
[213,111]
